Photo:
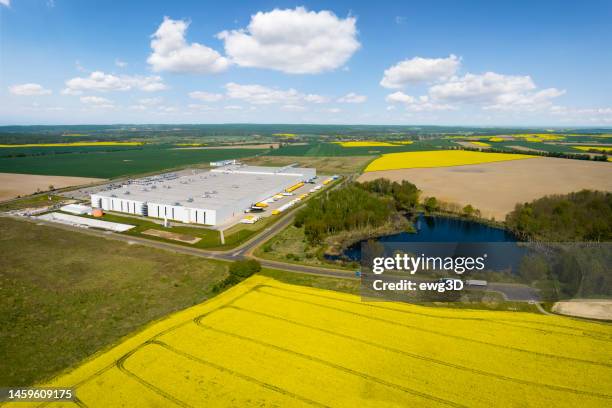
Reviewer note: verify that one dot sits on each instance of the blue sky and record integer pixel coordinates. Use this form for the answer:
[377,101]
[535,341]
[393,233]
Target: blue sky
[436,62]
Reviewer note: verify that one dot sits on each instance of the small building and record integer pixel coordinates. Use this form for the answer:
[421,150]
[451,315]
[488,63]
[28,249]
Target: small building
[77,209]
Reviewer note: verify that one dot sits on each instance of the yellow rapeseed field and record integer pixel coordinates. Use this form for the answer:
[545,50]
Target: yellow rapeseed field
[191,144]
[496,139]
[598,148]
[373,143]
[438,158]
[266,343]
[483,144]
[541,136]
[73,144]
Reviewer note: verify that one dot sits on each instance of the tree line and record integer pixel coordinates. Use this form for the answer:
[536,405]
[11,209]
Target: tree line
[356,206]
[581,216]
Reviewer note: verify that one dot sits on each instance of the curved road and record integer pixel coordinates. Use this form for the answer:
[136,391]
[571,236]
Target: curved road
[510,291]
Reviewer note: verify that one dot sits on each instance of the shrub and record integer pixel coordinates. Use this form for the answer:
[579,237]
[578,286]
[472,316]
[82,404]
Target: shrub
[244,269]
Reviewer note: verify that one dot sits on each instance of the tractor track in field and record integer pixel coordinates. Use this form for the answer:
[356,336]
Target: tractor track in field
[428,359]
[564,358]
[332,365]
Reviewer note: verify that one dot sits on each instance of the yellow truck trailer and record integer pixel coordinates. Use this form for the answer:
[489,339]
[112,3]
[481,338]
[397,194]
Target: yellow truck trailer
[294,187]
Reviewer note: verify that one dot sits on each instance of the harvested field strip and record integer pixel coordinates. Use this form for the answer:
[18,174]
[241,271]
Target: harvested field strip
[268,343]
[438,158]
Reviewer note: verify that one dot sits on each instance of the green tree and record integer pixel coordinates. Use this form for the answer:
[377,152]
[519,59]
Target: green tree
[431,204]
[468,210]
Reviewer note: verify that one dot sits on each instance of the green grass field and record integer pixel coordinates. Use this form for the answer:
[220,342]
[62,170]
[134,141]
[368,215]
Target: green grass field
[290,246]
[118,163]
[334,149]
[38,200]
[210,239]
[53,150]
[65,295]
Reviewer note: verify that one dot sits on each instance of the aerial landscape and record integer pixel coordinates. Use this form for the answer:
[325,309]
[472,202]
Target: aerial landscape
[294,204]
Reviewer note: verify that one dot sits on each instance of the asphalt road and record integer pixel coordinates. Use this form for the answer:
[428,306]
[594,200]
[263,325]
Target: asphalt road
[510,291]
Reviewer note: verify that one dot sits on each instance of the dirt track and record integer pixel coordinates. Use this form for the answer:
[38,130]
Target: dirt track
[12,184]
[592,309]
[495,188]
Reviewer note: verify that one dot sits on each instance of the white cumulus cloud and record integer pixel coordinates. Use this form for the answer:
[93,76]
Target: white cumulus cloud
[263,95]
[260,95]
[422,103]
[419,69]
[530,101]
[97,101]
[99,81]
[205,96]
[28,90]
[352,97]
[171,52]
[6,3]
[481,87]
[495,92]
[295,41]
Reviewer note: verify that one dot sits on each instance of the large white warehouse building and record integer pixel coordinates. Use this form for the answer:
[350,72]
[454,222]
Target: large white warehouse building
[205,197]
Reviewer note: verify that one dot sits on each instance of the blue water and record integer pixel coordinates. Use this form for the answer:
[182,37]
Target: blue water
[445,229]
[464,238]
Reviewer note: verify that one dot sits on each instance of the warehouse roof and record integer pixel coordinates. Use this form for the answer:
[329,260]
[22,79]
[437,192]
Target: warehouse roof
[216,189]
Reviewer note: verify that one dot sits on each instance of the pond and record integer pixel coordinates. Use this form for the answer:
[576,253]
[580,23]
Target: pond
[468,236]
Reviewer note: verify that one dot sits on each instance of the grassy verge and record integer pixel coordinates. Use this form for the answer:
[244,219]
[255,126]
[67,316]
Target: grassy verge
[64,295]
[290,246]
[341,285]
[210,239]
[34,201]
[479,300]
[241,233]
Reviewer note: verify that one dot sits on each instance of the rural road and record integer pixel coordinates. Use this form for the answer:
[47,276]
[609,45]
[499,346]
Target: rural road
[512,292]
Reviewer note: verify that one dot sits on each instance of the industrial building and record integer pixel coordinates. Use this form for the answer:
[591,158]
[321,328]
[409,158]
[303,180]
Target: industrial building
[206,197]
